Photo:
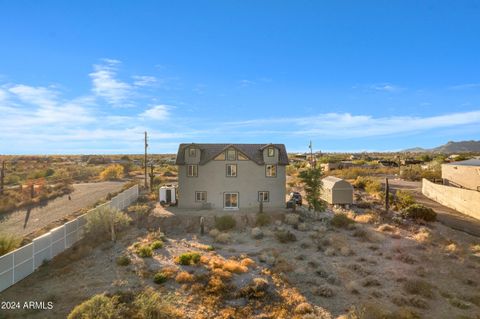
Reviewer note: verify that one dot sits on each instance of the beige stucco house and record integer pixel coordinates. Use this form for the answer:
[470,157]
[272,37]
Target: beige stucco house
[465,174]
[231,176]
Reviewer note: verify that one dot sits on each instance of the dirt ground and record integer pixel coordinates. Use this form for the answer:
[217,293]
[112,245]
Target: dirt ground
[24,222]
[428,270]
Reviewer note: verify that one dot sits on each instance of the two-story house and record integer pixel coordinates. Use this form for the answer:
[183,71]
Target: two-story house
[231,176]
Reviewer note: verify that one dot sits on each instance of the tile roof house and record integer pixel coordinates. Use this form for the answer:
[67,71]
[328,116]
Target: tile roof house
[231,176]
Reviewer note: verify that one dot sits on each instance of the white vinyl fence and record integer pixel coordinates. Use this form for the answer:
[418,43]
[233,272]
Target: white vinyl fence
[23,261]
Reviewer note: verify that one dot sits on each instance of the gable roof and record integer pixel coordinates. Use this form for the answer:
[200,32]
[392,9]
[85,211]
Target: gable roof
[252,151]
[331,182]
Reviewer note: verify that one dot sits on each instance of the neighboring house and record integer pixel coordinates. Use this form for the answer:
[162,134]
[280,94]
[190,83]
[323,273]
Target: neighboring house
[231,176]
[337,191]
[465,174]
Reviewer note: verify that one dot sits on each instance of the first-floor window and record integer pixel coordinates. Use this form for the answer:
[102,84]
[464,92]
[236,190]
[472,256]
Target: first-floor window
[200,196]
[192,170]
[271,170]
[263,196]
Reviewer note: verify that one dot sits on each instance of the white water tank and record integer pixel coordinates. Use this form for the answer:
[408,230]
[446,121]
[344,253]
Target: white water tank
[167,195]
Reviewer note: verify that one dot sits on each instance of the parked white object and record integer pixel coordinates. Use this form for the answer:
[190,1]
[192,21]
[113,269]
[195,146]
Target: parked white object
[168,194]
[337,191]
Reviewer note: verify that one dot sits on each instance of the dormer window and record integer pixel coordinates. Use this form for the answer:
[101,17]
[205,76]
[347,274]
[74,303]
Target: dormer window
[231,155]
[192,152]
[271,152]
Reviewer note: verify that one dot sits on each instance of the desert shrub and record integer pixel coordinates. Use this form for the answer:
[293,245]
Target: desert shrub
[140,211]
[285,236]
[112,172]
[225,222]
[363,204]
[360,182]
[257,288]
[234,266]
[99,222]
[160,277]
[263,219]
[189,258]
[123,260]
[341,220]
[99,306]
[418,287]
[157,244]
[144,251]
[419,211]
[150,305]
[8,243]
[373,187]
[403,199]
[303,308]
[183,277]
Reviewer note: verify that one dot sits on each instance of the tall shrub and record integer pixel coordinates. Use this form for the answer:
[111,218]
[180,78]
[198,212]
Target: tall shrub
[312,180]
[105,221]
[112,172]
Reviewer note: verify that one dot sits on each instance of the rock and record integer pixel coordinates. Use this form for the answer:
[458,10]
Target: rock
[278,223]
[303,227]
[257,233]
[223,238]
[292,219]
[214,232]
[267,258]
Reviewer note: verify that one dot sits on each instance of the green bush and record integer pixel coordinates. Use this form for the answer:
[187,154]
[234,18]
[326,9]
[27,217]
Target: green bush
[123,260]
[144,251]
[263,219]
[225,222]
[141,211]
[160,278]
[8,243]
[341,220]
[99,307]
[151,305]
[360,182]
[157,244]
[419,211]
[403,199]
[373,187]
[99,222]
[189,258]
[285,236]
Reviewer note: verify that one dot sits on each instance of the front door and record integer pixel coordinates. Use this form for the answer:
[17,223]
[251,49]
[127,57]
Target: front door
[230,200]
[169,195]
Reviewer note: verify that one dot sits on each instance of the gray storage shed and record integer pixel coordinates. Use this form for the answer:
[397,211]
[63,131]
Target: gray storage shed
[337,191]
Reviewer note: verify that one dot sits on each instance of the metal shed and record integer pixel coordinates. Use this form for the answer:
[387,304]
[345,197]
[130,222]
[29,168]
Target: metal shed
[337,191]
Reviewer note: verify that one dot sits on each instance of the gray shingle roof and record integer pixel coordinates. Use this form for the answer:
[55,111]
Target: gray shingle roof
[252,151]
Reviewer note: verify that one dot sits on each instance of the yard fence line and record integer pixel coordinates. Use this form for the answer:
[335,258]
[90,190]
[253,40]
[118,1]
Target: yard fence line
[23,261]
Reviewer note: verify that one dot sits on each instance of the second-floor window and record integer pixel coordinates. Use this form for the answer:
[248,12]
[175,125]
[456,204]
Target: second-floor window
[231,170]
[192,170]
[192,152]
[271,170]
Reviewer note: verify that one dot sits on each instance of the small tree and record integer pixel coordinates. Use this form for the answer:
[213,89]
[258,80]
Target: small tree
[112,172]
[105,221]
[312,179]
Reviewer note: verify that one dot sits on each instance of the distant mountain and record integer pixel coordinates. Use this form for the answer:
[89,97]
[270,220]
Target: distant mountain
[450,147]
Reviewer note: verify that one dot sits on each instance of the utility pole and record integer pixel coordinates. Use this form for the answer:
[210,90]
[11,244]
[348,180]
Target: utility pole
[146,146]
[2,177]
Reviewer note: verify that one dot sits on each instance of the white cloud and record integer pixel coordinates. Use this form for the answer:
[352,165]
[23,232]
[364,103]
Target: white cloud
[40,96]
[386,87]
[465,86]
[346,125]
[107,86]
[158,112]
[144,80]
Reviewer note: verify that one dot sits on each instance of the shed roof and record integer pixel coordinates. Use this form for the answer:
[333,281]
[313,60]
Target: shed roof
[470,162]
[253,151]
[331,182]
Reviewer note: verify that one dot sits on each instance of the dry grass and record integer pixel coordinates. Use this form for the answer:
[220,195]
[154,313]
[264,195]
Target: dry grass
[234,266]
[183,277]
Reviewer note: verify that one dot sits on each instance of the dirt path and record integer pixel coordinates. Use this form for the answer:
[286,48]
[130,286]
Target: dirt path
[446,215]
[24,222]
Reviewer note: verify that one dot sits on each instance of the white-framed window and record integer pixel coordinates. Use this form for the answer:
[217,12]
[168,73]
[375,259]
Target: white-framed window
[230,200]
[231,170]
[192,170]
[271,170]
[271,152]
[263,196]
[201,196]
[231,155]
[192,152]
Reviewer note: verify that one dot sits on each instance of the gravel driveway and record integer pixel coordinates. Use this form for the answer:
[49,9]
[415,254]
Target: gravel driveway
[23,222]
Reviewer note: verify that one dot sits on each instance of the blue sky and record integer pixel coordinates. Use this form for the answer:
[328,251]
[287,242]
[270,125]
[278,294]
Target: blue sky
[91,76]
